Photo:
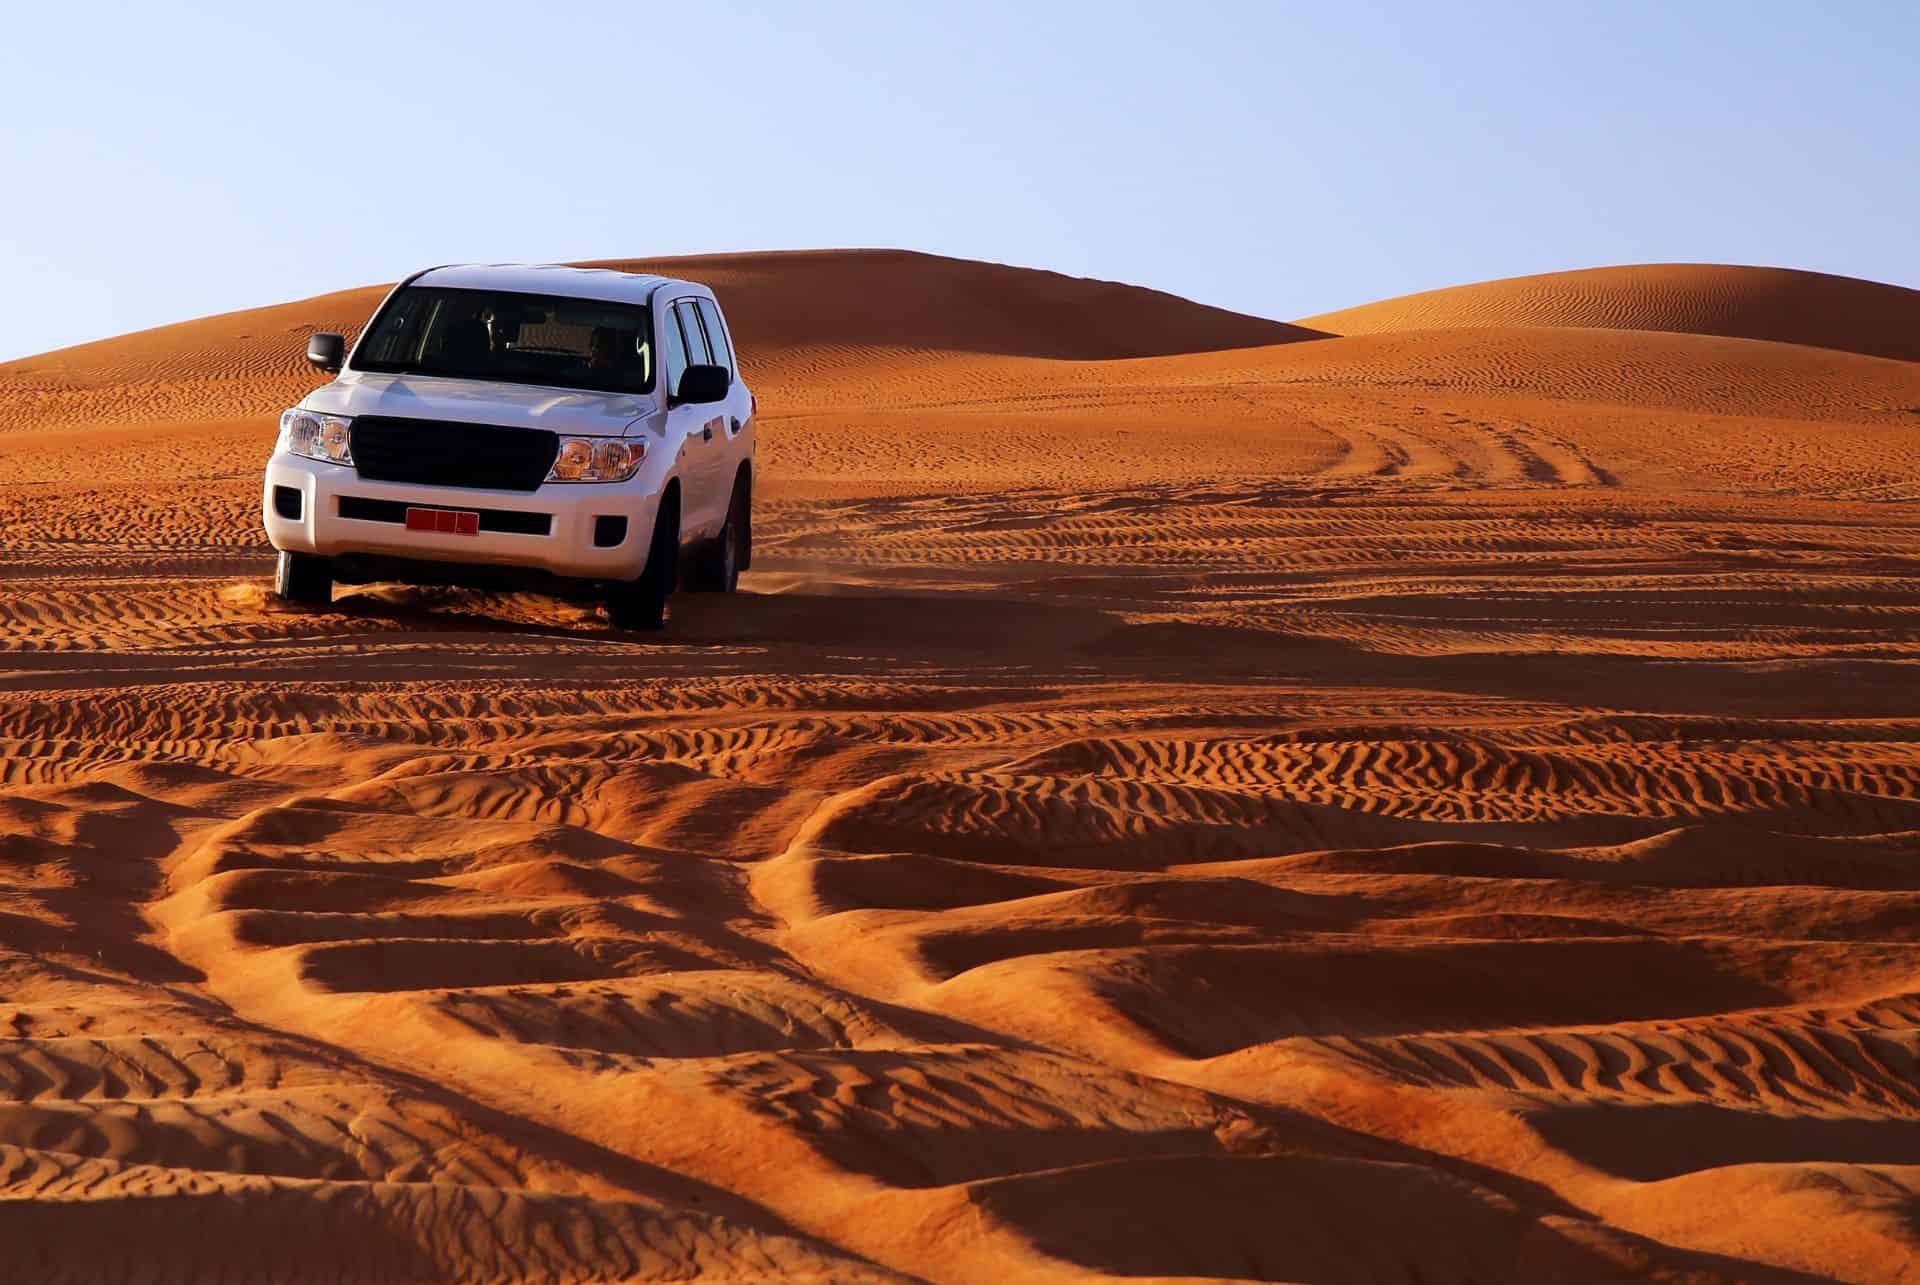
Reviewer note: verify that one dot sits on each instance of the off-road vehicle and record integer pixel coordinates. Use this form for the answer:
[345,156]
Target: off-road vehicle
[574,430]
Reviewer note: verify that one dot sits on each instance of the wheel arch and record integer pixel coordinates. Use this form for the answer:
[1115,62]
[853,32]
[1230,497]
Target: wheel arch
[670,498]
[663,555]
[743,477]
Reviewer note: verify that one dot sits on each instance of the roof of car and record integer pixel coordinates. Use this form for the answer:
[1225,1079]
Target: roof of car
[552,278]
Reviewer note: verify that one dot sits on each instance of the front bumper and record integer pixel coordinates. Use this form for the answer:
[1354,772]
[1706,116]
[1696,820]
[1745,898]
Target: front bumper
[567,549]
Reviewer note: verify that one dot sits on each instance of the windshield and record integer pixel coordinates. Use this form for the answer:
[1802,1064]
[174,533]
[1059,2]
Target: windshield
[512,338]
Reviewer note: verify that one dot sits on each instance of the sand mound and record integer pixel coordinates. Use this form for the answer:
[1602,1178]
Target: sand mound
[1700,298]
[829,299]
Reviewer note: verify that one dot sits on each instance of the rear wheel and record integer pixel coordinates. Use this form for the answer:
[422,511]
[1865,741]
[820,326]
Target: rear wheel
[722,561]
[305,578]
[642,603]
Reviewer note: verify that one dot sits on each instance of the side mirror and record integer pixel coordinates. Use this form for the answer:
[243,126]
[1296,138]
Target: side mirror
[326,350]
[700,384]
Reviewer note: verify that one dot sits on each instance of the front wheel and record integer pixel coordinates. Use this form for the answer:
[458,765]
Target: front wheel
[642,603]
[304,578]
[721,562]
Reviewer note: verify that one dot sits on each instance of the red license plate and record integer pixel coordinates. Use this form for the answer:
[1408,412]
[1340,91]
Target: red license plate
[445,521]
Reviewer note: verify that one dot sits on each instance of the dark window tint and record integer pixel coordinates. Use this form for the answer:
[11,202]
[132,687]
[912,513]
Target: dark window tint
[698,353]
[716,334]
[673,350]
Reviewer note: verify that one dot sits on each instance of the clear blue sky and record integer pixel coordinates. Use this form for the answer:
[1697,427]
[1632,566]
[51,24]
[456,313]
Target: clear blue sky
[165,162]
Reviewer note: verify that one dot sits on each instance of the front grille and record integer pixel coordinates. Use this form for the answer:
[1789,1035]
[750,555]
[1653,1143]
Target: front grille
[433,452]
[511,521]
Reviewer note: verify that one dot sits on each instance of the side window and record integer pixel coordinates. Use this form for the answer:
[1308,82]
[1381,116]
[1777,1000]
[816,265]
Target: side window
[697,352]
[401,335]
[716,334]
[673,350]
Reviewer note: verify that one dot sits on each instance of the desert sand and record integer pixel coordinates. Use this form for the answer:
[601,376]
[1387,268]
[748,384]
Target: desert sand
[1427,793]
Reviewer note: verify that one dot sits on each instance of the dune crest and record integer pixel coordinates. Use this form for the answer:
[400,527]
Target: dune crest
[1780,304]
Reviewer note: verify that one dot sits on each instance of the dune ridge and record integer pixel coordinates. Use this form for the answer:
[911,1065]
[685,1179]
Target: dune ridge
[1784,305]
[1179,797]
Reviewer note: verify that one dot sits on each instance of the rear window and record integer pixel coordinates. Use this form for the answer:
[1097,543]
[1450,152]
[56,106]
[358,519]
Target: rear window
[511,338]
[697,352]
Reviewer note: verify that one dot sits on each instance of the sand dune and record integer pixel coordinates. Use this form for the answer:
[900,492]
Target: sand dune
[1439,804]
[804,309]
[1779,304]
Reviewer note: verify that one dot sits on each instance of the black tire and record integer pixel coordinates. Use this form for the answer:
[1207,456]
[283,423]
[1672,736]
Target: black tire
[720,563]
[642,603]
[303,578]
[743,505]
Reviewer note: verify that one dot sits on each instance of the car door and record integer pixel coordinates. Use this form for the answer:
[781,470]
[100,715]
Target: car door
[711,446]
[690,429]
[738,406]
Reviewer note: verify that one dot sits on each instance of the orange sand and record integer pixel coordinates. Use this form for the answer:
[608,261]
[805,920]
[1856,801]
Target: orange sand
[1432,794]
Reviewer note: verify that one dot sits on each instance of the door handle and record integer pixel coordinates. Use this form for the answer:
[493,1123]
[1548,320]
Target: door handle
[706,433]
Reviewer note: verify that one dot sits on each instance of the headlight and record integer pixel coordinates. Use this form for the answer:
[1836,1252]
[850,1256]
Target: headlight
[597,459]
[318,437]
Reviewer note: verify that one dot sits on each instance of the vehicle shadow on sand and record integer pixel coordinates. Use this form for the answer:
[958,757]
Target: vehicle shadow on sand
[991,632]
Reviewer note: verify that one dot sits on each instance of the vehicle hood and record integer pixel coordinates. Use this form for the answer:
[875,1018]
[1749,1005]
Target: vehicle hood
[472,401]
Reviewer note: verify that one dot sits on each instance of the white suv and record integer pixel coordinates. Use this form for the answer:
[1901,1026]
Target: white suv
[565,429]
